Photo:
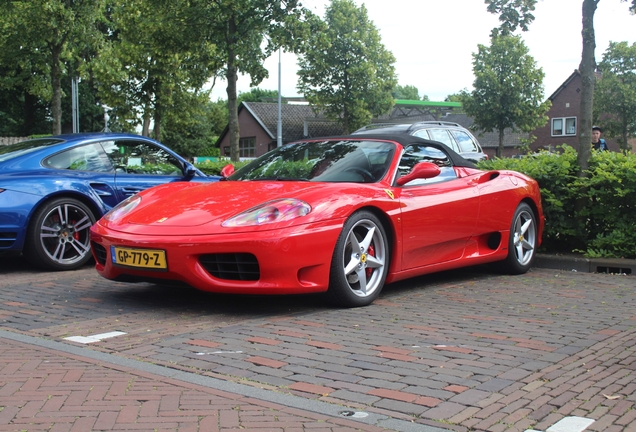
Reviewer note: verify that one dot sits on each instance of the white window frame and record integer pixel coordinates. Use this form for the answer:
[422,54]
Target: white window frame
[564,122]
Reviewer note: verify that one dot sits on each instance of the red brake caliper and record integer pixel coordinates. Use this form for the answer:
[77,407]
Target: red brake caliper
[371,252]
[76,235]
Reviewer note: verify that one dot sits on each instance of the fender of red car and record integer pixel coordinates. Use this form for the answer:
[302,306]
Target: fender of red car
[197,209]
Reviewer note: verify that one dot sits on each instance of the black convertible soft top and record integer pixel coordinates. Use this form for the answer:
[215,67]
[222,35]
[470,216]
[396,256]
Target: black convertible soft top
[404,140]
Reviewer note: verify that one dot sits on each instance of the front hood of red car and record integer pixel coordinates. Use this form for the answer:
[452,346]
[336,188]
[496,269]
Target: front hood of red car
[194,206]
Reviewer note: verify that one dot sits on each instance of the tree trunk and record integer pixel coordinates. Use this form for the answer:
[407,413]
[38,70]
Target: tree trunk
[624,144]
[234,132]
[145,131]
[500,148]
[587,68]
[30,102]
[157,126]
[56,84]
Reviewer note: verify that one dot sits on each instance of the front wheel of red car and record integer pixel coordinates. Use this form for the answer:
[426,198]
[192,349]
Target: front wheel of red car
[360,261]
[523,241]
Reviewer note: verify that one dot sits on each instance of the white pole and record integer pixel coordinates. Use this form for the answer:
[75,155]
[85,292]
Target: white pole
[75,104]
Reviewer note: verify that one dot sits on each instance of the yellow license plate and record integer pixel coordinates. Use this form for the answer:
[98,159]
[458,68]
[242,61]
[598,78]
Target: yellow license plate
[141,258]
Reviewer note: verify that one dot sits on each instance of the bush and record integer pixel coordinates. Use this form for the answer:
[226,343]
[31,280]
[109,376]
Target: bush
[610,191]
[604,225]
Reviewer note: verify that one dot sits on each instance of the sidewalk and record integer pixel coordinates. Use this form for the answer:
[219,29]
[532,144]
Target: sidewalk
[45,389]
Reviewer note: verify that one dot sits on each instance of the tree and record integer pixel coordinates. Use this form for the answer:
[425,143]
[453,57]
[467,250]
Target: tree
[151,58]
[513,13]
[407,92]
[45,41]
[615,92]
[245,33]
[346,71]
[21,113]
[455,97]
[587,68]
[191,125]
[508,89]
[256,95]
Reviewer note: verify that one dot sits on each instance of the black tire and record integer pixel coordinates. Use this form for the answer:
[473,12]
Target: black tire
[58,235]
[360,261]
[523,241]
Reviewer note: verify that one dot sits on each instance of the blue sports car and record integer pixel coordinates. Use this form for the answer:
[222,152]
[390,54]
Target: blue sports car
[53,189]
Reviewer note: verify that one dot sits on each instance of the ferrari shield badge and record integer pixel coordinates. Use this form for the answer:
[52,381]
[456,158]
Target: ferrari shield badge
[389,193]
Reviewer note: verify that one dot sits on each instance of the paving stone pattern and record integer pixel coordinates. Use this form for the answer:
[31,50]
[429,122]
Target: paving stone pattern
[44,391]
[465,350]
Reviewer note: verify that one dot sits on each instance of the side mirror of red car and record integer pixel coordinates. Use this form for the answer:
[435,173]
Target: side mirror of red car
[227,170]
[423,170]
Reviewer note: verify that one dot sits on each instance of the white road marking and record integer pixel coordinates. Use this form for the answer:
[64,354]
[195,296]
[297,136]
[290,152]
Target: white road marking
[568,424]
[94,338]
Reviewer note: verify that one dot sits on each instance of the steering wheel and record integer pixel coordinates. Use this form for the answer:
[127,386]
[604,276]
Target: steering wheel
[366,175]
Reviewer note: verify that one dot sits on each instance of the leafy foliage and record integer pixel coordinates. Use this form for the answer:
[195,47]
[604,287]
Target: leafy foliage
[256,95]
[610,191]
[508,89]
[44,41]
[149,60]
[245,33]
[607,227]
[407,92]
[193,124]
[512,14]
[615,92]
[345,70]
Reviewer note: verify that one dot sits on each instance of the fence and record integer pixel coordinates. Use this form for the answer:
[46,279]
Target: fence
[12,140]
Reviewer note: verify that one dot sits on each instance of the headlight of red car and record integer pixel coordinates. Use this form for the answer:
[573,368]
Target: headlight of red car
[270,212]
[123,208]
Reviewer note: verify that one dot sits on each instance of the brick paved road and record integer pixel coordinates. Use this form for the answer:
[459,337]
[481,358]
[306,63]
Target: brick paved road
[465,350]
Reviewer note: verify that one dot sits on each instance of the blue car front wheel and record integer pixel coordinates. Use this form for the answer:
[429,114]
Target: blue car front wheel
[58,236]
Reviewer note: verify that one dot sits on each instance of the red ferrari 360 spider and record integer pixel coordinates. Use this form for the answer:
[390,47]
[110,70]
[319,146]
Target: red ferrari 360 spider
[341,215]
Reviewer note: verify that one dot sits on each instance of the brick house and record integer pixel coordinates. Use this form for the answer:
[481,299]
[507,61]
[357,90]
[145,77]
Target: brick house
[259,122]
[563,123]
[259,125]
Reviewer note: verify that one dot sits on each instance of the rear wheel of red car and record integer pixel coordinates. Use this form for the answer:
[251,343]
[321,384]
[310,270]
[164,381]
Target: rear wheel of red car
[58,236]
[360,261]
[523,241]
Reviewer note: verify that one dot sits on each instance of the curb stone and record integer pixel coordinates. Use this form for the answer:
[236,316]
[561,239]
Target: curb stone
[579,263]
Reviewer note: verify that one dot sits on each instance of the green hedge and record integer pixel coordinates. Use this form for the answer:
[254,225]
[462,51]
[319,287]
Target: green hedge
[604,224]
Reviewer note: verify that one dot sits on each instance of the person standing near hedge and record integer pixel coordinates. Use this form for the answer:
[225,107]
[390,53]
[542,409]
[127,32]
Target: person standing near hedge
[598,143]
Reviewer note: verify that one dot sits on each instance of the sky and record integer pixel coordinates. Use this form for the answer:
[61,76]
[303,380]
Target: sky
[433,42]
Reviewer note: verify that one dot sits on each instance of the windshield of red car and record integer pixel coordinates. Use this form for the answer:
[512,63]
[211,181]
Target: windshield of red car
[324,161]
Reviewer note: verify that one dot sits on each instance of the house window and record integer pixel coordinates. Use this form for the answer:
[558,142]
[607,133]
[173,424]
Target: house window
[247,147]
[565,126]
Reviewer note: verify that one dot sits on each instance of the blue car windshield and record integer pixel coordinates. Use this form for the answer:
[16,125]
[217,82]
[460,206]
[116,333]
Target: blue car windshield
[11,151]
[322,161]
